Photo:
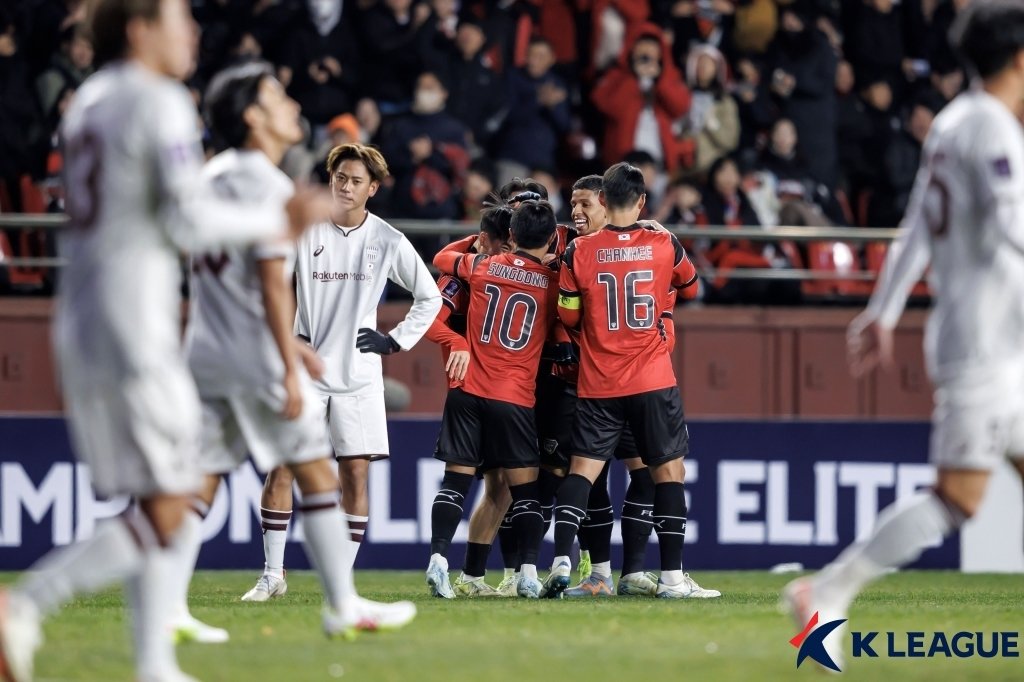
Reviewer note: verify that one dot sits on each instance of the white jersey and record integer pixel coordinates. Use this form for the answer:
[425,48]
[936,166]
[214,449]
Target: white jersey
[231,348]
[965,217]
[132,163]
[341,274]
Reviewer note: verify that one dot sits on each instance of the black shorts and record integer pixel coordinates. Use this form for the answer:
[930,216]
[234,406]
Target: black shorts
[555,411]
[480,432]
[655,419]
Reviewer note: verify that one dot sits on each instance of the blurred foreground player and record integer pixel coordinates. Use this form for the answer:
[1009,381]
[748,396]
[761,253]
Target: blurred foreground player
[251,371]
[132,163]
[965,218]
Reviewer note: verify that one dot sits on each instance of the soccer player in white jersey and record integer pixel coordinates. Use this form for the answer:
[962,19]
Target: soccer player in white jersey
[342,267]
[965,218]
[132,165]
[250,369]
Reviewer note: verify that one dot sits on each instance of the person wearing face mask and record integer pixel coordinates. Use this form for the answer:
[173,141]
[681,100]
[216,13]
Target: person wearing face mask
[801,73]
[640,97]
[321,64]
[428,153]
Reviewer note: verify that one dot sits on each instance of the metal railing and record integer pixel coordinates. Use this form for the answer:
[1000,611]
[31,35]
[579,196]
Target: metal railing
[441,228]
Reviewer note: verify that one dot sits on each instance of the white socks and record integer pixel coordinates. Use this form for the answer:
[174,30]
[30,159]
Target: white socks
[323,523]
[671,577]
[354,536]
[528,571]
[602,569]
[900,535]
[275,537]
[112,554]
[186,547]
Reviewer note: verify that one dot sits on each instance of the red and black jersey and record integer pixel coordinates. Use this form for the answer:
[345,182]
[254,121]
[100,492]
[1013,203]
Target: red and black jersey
[614,285]
[512,301]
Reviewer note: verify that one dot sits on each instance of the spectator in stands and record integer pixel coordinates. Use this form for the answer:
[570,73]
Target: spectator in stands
[559,205]
[754,103]
[947,78]
[853,131]
[640,97]
[68,68]
[725,204]
[427,154]
[393,33]
[22,144]
[711,129]
[341,129]
[613,21]
[538,115]
[476,190]
[681,206]
[901,160]
[883,120]
[874,37]
[369,119]
[802,80]
[799,198]
[655,179]
[700,22]
[477,92]
[44,30]
[756,23]
[321,63]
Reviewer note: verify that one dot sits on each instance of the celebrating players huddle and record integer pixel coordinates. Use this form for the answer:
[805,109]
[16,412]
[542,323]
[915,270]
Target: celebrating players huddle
[557,383]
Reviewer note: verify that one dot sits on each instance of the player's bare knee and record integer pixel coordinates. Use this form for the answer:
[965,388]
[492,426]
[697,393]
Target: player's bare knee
[668,472]
[586,467]
[165,514]
[315,477]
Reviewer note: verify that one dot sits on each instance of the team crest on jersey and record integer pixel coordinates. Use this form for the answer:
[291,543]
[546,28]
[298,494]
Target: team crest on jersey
[319,250]
[518,262]
[623,237]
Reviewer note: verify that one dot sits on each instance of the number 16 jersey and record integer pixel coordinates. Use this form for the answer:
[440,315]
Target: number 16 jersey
[618,278]
[511,310]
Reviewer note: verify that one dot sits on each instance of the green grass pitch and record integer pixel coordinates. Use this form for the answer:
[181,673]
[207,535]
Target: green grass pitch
[738,637]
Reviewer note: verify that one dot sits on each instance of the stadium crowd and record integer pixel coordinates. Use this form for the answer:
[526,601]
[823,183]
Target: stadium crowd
[739,112]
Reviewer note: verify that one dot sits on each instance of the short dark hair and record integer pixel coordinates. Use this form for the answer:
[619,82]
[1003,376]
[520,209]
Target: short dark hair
[496,222]
[639,157]
[517,185]
[623,185]
[988,34]
[108,26]
[371,157]
[592,182]
[533,223]
[230,93]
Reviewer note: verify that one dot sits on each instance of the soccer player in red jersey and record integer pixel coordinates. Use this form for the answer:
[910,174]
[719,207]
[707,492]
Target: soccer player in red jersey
[613,287]
[449,331]
[489,420]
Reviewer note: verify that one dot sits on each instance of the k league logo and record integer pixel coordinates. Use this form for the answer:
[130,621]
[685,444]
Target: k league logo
[811,643]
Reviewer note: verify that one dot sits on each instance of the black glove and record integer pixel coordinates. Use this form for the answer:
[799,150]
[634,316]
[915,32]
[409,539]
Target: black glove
[372,341]
[560,353]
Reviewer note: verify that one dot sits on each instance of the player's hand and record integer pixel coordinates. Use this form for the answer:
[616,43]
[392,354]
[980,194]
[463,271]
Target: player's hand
[293,396]
[458,363]
[372,341]
[309,205]
[653,224]
[310,360]
[868,345]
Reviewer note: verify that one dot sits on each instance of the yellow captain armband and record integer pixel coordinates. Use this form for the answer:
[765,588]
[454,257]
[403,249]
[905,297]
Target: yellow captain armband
[569,301]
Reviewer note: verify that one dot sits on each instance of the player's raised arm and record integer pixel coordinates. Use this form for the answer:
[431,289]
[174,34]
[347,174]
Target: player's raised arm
[409,272]
[196,218]
[570,304]
[684,275]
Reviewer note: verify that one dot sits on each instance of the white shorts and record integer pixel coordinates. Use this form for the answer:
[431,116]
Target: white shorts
[138,434]
[978,427]
[247,423]
[358,425]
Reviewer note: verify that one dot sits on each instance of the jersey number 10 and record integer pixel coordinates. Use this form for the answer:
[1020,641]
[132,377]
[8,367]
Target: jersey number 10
[508,312]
